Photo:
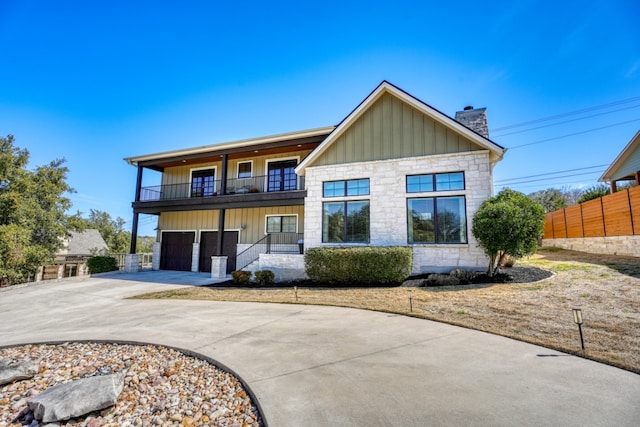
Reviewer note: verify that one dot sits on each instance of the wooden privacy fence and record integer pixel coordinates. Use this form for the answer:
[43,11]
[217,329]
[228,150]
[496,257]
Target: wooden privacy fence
[617,214]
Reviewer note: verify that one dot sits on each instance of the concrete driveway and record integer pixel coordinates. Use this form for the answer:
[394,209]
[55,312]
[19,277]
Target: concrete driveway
[328,366]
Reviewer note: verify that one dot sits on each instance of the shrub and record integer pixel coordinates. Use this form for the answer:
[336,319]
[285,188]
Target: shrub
[265,277]
[509,223]
[241,277]
[366,265]
[102,264]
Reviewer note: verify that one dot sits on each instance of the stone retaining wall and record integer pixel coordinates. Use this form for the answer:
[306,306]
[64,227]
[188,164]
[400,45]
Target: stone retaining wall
[614,245]
[284,266]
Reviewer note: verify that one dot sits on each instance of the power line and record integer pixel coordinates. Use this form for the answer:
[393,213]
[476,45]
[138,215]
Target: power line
[570,113]
[567,121]
[550,173]
[573,134]
[555,177]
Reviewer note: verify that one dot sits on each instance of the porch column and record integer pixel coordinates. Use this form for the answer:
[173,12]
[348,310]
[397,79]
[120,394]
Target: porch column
[138,184]
[220,240]
[614,188]
[638,178]
[134,233]
[134,225]
[223,175]
[221,212]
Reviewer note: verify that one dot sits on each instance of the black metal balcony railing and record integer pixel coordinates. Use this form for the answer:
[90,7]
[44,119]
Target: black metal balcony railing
[235,186]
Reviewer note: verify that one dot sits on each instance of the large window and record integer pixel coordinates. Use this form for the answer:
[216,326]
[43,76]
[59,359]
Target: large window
[282,224]
[345,222]
[437,220]
[352,187]
[435,182]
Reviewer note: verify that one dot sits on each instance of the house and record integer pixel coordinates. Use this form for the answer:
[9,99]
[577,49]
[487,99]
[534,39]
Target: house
[625,167]
[71,259]
[81,245]
[395,171]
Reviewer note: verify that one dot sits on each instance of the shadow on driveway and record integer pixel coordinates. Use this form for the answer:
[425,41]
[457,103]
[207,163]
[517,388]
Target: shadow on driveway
[164,276]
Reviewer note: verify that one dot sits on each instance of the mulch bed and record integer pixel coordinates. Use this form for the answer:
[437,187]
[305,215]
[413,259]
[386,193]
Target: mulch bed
[516,274]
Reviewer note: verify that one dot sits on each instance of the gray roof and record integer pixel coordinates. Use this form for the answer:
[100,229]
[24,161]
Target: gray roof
[85,242]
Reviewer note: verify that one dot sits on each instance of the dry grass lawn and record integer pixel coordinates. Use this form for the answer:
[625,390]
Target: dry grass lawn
[606,288]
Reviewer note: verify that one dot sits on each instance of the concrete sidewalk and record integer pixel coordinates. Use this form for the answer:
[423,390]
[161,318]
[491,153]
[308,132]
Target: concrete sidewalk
[329,366]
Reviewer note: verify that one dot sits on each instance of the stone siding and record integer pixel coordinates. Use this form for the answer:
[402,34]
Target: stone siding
[155,259]
[195,258]
[284,266]
[388,203]
[613,245]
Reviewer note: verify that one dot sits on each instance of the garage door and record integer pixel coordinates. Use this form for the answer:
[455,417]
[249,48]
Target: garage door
[209,245]
[176,249]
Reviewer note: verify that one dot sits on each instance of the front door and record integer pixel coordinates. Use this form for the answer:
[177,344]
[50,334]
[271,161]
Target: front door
[209,246]
[282,176]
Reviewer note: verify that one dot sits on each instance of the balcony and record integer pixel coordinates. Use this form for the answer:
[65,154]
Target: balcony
[240,192]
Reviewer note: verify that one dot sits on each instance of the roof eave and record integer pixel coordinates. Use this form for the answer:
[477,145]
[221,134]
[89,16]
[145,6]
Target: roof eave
[134,160]
[634,143]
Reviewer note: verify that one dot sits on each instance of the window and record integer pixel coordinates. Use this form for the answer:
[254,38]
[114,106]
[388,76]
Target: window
[352,187]
[244,169]
[203,182]
[282,224]
[345,222]
[437,220]
[282,176]
[435,182]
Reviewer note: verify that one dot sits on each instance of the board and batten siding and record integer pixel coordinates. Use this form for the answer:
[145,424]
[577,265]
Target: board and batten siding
[182,174]
[392,129]
[253,219]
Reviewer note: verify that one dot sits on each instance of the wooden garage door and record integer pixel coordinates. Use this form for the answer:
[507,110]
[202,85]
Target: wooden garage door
[209,244]
[176,250]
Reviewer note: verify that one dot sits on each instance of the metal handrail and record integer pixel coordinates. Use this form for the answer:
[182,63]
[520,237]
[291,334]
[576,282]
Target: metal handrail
[272,243]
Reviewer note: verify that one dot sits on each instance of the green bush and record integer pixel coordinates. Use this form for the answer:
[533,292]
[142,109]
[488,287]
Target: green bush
[102,264]
[366,265]
[241,277]
[265,277]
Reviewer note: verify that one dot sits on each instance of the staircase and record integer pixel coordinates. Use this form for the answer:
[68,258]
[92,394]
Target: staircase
[272,243]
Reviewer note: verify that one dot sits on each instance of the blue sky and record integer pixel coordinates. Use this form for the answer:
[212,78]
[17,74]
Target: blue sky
[97,81]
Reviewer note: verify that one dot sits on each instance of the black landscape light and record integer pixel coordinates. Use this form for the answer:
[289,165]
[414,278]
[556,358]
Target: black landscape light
[577,318]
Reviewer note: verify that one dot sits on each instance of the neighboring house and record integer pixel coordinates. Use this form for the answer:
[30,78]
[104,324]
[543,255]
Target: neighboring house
[395,171]
[71,259]
[625,167]
[81,245]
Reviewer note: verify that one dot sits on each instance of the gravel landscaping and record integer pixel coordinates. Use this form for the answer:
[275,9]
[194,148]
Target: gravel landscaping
[163,387]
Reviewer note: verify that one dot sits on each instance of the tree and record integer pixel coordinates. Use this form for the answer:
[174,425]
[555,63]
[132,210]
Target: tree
[508,224]
[594,192]
[32,212]
[550,199]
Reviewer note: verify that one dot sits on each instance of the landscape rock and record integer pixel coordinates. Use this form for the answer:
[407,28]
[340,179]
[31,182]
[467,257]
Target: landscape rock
[14,370]
[77,398]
